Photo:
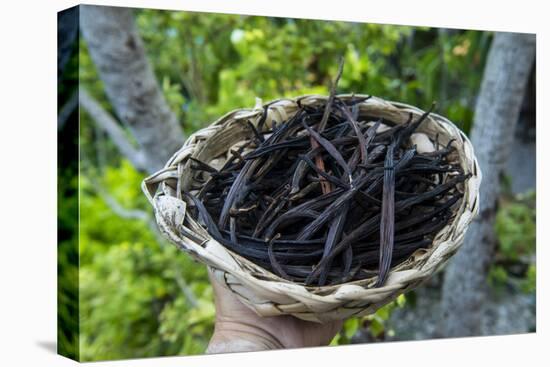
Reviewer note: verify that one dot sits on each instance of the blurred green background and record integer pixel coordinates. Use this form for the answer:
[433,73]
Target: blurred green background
[139,296]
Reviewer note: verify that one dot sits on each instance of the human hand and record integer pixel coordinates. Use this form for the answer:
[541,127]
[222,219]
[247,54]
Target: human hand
[239,329]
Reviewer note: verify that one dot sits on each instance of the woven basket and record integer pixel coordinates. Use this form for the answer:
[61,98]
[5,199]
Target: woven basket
[265,292]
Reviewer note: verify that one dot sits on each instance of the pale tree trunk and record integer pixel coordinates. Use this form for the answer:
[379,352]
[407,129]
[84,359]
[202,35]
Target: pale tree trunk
[118,136]
[505,77]
[118,53]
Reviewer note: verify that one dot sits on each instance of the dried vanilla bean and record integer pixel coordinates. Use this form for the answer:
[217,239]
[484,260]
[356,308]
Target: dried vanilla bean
[372,202]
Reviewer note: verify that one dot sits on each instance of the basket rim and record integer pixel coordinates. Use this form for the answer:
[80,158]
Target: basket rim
[150,186]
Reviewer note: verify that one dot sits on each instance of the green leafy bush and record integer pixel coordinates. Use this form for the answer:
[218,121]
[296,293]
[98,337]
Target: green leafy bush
[221,62]
[139,297]
[515,228]
[375,324]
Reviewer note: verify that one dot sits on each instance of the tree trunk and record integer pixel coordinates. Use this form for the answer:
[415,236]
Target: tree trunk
[506,73]
[117,50]
[118,136]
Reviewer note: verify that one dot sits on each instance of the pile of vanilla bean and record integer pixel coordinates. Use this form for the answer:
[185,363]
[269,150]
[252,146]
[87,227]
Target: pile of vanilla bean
[329,196]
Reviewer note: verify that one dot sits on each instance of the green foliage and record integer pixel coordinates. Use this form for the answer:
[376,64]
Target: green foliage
[375,324]
[515,228]
[67,269]
[67,219]
[498,276]
[222,62]
[529,283]
[138,298]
